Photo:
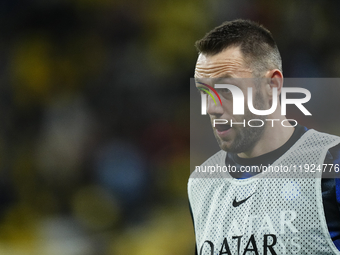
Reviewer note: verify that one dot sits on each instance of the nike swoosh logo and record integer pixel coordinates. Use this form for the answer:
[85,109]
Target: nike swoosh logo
[236,204]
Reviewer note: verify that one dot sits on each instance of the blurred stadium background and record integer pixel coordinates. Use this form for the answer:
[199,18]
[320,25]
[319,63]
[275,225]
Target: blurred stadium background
[94,115]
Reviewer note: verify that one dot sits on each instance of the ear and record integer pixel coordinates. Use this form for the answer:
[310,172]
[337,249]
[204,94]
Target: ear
[275,79]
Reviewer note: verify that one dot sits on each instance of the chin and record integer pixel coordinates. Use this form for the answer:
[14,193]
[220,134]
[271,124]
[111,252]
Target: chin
[238,146]
[226,146]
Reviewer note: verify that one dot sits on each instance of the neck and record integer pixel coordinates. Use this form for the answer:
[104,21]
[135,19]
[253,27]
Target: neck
[274,136]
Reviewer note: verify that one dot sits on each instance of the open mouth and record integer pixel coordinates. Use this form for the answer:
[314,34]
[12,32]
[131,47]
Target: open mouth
[222,127]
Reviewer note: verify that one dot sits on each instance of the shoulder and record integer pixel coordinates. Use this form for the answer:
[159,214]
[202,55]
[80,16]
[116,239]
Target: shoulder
[321,134]
[216,159]
[320,138]
[333,153]
[205,178]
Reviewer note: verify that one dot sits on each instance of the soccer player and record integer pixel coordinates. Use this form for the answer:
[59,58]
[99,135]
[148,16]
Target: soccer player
[260,212]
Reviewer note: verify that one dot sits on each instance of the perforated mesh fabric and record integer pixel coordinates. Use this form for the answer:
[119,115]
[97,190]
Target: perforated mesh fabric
[271,213]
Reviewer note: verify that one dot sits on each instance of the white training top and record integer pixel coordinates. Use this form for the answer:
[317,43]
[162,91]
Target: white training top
[271,213]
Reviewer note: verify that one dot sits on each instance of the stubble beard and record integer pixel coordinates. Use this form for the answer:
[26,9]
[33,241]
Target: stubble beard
[246,137]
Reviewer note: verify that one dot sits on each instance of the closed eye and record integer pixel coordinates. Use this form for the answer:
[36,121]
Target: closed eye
[224,92]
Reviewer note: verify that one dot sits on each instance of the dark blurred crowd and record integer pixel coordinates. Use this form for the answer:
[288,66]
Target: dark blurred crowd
[94,113]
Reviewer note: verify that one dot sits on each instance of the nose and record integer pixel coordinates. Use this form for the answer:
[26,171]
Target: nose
[214,107]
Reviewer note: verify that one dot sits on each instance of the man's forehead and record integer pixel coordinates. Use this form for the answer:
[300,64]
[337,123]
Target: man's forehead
[239,82]
[224,64]
[219,80]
